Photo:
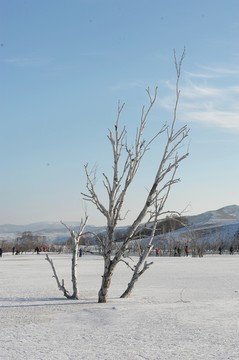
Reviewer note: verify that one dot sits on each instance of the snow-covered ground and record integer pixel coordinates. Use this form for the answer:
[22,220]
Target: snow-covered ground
[182,308]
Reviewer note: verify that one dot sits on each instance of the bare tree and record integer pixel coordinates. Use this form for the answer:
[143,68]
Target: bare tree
[75,239]
[126,162]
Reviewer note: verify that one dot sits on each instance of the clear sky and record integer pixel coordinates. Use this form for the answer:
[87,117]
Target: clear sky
[64,65]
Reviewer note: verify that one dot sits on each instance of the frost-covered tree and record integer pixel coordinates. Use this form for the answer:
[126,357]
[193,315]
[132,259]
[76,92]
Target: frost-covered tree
[75,241]
[127,160]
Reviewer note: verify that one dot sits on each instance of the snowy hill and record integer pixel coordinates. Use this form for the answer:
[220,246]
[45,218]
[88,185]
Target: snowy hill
[217,227]
[225,215]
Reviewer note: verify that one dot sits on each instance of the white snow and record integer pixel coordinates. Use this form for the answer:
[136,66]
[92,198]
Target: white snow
[181,308]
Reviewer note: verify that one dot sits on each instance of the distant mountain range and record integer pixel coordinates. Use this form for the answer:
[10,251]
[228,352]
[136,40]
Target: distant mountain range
[224,221]
[54,231]
[42,227]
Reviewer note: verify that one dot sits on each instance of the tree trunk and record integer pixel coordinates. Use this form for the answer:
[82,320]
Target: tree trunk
[130,286]
[137,272]
[106,280]
[74,267]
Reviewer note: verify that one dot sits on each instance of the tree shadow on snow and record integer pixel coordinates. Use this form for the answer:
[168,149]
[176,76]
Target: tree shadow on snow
[41,302]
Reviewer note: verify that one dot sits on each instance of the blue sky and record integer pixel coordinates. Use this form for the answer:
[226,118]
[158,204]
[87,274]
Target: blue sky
[64,65]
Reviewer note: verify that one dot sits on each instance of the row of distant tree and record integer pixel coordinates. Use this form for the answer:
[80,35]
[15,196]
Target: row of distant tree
[28,241]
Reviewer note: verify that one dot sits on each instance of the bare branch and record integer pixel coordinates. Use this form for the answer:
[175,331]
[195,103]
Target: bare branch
[61,286]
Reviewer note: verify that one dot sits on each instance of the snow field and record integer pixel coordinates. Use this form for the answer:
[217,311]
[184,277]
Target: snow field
[181,308]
